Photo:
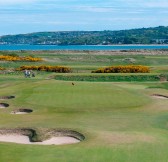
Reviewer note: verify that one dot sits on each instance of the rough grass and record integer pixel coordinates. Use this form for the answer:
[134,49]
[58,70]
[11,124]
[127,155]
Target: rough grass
[109,77]
[86,62]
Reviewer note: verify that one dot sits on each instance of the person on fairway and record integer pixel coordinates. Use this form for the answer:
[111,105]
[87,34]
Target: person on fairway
[33,74]
[25,73]
[28,73]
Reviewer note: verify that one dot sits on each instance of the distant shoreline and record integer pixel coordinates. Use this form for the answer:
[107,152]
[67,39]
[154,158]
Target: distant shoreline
[82,47]
[153,52]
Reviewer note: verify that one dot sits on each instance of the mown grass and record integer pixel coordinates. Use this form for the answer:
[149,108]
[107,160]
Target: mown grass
[120,120]
[101,111]
[159,85]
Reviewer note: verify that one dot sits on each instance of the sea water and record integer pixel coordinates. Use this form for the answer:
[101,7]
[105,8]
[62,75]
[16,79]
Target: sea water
[82,47]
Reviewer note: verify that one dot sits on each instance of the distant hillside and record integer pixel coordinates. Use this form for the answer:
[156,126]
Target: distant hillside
[157,35]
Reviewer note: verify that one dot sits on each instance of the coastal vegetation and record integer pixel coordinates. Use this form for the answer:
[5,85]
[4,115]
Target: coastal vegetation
[58,69]
[111,77]
[1,68]
[123,69]
[18,58]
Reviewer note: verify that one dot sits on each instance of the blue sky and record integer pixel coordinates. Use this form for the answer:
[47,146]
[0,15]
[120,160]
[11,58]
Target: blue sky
[25,16]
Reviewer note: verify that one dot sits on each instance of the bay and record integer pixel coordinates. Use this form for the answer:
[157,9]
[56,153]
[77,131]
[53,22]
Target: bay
[83,47]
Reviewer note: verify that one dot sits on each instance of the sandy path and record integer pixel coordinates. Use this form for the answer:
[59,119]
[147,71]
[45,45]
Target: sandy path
[21,139]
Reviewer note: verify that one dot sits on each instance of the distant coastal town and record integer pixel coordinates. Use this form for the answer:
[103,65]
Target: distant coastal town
[156,35]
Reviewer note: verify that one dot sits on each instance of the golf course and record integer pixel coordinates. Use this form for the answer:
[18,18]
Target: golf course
[103,117]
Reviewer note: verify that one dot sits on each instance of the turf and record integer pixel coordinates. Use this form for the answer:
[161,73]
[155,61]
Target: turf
[118,121]
[121,121]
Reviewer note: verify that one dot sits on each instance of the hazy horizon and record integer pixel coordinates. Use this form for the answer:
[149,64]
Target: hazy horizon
[29,16]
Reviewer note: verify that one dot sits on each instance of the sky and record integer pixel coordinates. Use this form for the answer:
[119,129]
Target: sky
[26,16]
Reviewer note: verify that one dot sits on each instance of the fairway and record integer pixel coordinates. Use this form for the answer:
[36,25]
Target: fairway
[116,121]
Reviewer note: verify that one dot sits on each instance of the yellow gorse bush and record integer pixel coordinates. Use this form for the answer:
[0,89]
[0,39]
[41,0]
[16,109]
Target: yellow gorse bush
[18,58]
[2,68]
[59,69]
[124,69]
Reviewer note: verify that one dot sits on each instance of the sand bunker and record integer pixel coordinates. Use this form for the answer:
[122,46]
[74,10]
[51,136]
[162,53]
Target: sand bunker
[22,111]
[42,137]
[6,97]
[160,96]
[3,105]
[21,139]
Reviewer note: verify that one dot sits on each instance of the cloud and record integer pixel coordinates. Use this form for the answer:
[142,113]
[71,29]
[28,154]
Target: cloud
[13,2]
[94,9]
[35,15]
[163,4]
[145,3]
